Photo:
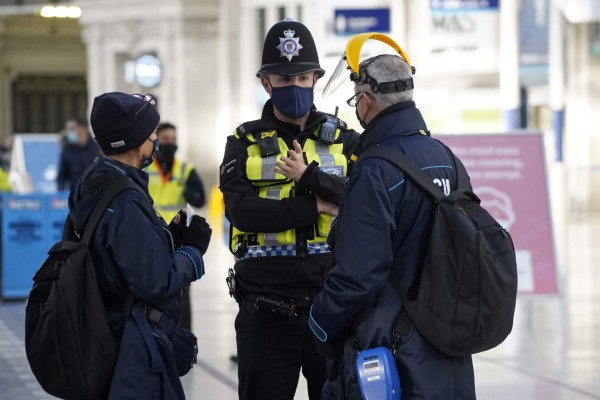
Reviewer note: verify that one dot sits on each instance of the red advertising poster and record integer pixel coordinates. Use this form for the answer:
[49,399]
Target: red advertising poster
[508,174]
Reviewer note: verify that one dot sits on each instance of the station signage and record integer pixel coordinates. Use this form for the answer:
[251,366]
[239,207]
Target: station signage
[354,21]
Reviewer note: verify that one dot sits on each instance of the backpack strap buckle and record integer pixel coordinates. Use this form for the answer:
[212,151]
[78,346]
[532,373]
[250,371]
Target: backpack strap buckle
[401,330]
[152,314]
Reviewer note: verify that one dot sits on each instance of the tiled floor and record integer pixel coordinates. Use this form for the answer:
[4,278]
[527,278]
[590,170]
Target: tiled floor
[552,354]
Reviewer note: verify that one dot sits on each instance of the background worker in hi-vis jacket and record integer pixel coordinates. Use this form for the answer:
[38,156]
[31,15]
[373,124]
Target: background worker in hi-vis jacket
[172,183]
[282,177]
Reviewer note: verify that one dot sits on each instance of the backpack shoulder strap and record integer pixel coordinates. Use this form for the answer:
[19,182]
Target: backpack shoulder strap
[411,169]
[397,158]
[114,188]
[462,177]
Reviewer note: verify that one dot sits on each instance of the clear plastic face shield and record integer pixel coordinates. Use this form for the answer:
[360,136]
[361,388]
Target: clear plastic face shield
[366,44]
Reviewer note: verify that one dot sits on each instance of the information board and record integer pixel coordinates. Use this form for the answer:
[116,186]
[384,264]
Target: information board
[23,242]
[508,173]
[31,224]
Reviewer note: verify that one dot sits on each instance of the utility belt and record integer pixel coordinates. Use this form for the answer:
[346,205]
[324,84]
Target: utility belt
[277,305]
[272,303]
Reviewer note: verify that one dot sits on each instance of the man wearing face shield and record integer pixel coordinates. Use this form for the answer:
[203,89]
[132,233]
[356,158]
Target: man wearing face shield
[282,177]
[173,183]
[384,225]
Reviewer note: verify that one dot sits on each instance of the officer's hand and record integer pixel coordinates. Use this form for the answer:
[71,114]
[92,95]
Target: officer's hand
[327,207]
[293,166]
[177,227]
[197,234]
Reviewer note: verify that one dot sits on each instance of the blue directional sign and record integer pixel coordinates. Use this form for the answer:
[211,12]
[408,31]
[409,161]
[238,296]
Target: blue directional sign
[354,21]
[24,244]
[463,5]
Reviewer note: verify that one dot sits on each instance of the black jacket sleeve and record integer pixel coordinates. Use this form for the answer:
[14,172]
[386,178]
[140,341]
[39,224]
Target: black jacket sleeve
[194,190]
[329,187]
[250,213]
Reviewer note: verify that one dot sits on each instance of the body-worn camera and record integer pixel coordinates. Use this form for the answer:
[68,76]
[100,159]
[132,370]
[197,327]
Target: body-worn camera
[268,143]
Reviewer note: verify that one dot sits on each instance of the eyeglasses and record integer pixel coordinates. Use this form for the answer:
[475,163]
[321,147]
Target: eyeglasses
[148,97]
[353,101]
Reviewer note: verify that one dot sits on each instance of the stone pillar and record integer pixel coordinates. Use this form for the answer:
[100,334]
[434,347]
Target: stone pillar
[183,34]
[556,72]
[5,118]
[509,63]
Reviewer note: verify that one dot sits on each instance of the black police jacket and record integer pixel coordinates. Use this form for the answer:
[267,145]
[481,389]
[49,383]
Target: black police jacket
[299,276]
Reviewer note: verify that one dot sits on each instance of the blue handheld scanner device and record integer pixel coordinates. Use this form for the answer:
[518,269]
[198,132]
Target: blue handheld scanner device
[377,375]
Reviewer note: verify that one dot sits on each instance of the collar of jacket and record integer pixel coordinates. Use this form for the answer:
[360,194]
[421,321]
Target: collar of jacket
[400,119]
[81,202]
[268,118]
[136,175]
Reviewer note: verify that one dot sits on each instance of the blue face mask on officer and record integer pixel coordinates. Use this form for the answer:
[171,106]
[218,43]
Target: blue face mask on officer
[293,101]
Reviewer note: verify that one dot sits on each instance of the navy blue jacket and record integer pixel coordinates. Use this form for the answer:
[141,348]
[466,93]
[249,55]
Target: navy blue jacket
[380,207]
[133,249]
[74,159]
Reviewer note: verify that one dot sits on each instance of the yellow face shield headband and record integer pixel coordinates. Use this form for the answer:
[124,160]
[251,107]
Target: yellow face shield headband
[351,59]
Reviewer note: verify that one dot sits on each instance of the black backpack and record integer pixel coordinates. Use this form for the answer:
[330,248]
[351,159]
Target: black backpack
[467,291]
[68,341]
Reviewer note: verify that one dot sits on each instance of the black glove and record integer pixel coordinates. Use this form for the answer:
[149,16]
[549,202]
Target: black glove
[178,228]
[197,234]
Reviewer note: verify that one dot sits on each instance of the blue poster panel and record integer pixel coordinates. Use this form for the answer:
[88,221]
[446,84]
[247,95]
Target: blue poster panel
[24,242]
[57,210]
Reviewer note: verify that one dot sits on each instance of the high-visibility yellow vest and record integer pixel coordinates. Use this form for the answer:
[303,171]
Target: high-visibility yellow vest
[167,190]
[271,185]
[4,183]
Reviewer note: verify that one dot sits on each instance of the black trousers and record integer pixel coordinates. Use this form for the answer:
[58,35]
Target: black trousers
[272,350]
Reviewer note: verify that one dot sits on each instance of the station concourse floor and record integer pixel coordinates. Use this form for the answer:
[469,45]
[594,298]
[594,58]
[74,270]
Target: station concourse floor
[553,352]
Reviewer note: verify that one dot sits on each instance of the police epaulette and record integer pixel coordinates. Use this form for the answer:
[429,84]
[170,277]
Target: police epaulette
[251,126]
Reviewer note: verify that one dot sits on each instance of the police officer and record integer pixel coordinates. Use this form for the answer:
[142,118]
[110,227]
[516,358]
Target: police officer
[383,225]
[282,177]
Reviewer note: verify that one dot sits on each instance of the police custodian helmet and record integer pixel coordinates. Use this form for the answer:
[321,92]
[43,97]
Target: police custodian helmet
[289,50]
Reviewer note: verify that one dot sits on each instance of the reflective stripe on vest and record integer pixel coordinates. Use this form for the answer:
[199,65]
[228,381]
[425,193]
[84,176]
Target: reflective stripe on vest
[168,195]
[331,160]
[282,250]
[260,171]
[270,185]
